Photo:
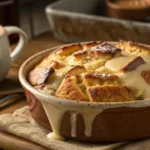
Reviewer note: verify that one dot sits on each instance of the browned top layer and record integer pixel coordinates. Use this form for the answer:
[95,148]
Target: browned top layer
[79,72]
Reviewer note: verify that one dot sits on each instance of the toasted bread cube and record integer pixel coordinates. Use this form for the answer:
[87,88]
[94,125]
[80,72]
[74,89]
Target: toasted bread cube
[101,51]
[146,75]
[84,57]
[100,79]
[68,50]
[70,89]
[91,44]
[81,55]
[94,64]
[76,70]
[48,63]
[133,64]
[104,50]
[40,75]
[109,94]
[133,48]
[55,64]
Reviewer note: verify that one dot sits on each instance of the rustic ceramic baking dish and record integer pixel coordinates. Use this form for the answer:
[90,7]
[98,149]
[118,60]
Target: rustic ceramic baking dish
[73,21]
[85,121]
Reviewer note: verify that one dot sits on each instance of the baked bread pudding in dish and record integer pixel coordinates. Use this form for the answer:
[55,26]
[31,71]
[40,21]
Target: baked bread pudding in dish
[95,72]
[90,91]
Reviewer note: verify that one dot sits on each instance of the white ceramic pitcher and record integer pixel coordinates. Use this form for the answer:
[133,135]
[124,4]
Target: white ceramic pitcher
[6,56]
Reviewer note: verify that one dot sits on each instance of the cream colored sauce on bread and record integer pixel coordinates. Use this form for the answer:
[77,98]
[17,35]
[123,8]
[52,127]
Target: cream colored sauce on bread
[134,80]
[128,78]
[117,63]
[131,79]
[54,83]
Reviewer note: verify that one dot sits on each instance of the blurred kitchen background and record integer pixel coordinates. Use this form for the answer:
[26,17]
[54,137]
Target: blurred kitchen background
[80,20]
[28,14]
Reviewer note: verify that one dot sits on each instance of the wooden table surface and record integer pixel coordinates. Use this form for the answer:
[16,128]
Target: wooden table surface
[41,42]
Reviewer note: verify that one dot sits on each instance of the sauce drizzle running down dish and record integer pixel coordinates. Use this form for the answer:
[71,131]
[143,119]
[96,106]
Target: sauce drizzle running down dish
[57,116]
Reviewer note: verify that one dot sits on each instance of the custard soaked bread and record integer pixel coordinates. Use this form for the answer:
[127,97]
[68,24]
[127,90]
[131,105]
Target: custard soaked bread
[96,72]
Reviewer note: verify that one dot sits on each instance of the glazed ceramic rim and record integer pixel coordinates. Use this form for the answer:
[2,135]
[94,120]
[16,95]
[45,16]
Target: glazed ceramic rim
[65,102]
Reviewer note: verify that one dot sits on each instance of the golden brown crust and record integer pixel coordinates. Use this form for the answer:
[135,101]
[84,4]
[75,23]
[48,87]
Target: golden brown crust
[100,51]
[68,50]
[146,75]
[48,63]
[77,70]
[97,55]
[133,48]
[91,44]
[109,94]
[69,89]
[81,55]
[100,79]
[86,75]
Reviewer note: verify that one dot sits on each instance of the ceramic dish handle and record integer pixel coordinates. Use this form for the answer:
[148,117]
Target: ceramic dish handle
[23,39]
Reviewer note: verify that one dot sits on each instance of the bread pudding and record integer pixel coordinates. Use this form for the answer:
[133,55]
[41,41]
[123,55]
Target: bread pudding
[95,72]
[93,91]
